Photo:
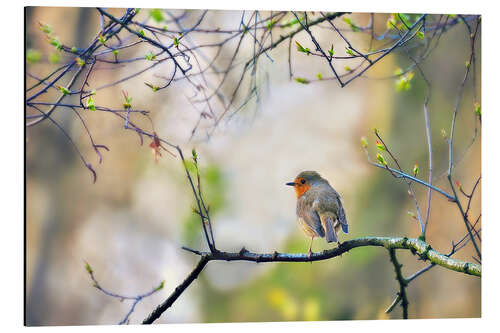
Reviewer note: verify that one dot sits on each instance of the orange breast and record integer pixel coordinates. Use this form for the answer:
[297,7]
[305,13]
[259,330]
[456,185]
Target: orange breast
[300,189]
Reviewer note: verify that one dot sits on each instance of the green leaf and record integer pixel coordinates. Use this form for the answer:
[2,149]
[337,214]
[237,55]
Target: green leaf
[420,35]
[88,268]
[353,26]
[80,62]
[64,90]
[380,145]
[403,83]
[45,28]
[331,52]
[349,51]
[156,14]
[142,33]
[477,108]
[301,80]
[101,39]
[153,87]
[115,52]
[319,76]
[73,49]
[150,56]
[270,24]
[415,169]
[91,103]
[381,159]
[33,56]
[54,58]
[302,49]
[176,42]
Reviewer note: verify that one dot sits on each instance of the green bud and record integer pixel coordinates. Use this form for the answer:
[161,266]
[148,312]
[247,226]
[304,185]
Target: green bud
[88,268]
[349,51]
[331,52]
[319,76]
[156,14]
[150,56]
[64,90]
[142,33]
[301,80]
[73,49]
[91,103]
[477,108]
[381,159]
[364,142]
[176,42]
[302,49]
[415,169]
[380,145]
[33,56]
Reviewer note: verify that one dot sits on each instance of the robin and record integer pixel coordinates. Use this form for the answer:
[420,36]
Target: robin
[319,208]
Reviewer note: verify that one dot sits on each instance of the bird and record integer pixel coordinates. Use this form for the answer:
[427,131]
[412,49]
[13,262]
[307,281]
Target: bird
[319,207]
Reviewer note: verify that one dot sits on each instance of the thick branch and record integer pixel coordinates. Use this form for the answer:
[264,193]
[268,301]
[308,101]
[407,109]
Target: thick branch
[416,246]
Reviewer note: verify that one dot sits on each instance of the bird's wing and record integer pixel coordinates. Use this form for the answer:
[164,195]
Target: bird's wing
[333,202]
[310,216]
[341,216]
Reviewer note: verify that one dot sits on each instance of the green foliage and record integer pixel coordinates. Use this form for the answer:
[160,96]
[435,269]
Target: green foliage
[91,103]
[319,76]
[80,62]
[477,108]
[349,51]
[404,82]
[331,52]
[176,42]
[150,56]
[33,56]
[354,27]
[270,24]
[64,90]
[291,22]
[156,14]
[302,80]
[302,49]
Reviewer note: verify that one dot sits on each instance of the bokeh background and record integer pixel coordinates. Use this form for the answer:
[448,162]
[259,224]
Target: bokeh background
[131,224]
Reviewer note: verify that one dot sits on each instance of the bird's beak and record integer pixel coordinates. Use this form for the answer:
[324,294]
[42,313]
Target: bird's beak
[291,184]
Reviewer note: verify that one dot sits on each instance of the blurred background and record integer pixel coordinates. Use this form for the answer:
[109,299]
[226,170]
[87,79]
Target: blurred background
[131,224]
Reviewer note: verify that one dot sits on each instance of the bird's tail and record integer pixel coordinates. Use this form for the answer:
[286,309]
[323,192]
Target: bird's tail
[329,226]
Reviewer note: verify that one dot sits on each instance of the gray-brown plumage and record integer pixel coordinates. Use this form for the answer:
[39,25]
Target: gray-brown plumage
[319,207]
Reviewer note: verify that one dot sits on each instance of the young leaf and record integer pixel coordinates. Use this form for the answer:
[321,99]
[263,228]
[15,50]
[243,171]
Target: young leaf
[380,145]
[364,142]
[90,103]
[331,52]
[156,14]
[301,80]
[381,159]
[150,56]
[64,90]
[349,51]
[302,49]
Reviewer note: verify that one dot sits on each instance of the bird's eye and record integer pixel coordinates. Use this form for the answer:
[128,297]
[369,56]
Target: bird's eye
[303,181]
